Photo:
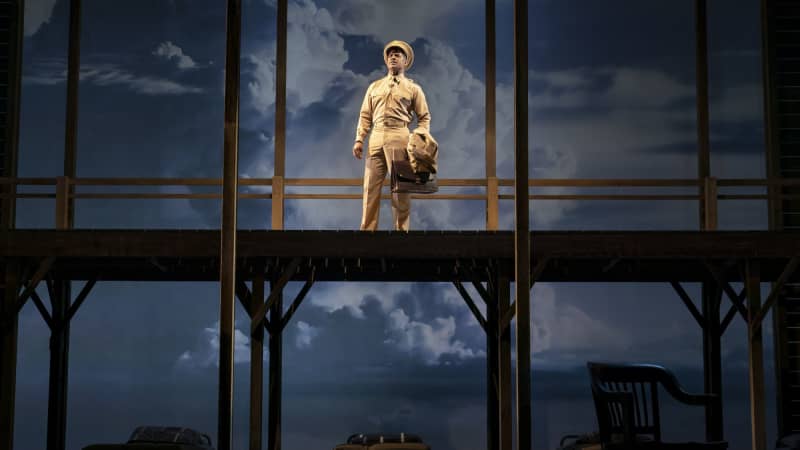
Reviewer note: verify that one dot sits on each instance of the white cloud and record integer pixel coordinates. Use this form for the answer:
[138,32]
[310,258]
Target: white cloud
[332,297]
[37,13]
[170,51]
[206,353]
[305,334]
[430,341]
[559,328]
[50,72]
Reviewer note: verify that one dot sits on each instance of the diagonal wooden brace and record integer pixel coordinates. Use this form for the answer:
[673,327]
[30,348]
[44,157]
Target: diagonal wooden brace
[484,294]
[44,267]
[689,304]
[538,269]
[732,295]
[80,299]
[788,271]
[507,317]
[298,300]
[260,314]
[48,319]
[244,295]
[475,311]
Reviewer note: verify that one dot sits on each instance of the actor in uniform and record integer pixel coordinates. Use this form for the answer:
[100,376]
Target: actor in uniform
[387,110]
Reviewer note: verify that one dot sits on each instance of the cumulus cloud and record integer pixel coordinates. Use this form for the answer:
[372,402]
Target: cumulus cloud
[563,331]
[305,334]
[332,297]
[431,341]
[169,51]
[206,352]
[37,13]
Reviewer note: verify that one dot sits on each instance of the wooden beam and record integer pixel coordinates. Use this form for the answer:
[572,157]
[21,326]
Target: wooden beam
[468,300]
[492,369]
[71,118]
[504,372]
[275,370]
[9,333]
[228,235]
[59,367]
[755,356]
[538,269]
[42,310]
[701,84]
[43,269]
[256,365]
[522,236]
[726,287]
[298,299]
[87,287]
[688,302]
[490,106]
[774,293]
[274,295]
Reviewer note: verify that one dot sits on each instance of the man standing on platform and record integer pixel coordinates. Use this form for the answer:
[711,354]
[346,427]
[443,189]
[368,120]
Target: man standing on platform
[387,108]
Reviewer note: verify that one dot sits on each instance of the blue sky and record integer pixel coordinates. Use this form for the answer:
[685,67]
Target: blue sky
[611,96]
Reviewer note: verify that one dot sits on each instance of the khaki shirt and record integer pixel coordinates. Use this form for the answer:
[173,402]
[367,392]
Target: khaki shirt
[388,105]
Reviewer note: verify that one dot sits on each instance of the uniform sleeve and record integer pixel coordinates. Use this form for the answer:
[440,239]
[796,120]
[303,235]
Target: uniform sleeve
[364,117]
[421,108]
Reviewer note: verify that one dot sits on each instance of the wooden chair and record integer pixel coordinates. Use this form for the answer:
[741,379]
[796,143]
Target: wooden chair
[626,402]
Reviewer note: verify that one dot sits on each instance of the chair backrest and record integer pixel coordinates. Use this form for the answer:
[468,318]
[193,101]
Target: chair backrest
[614,385]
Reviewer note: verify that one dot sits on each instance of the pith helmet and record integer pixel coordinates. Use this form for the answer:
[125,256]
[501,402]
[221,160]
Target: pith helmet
[402,45]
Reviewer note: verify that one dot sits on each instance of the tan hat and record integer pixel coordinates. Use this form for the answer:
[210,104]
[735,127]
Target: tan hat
[402,45]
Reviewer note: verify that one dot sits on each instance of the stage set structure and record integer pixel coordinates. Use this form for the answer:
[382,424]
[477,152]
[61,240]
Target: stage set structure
[255,265]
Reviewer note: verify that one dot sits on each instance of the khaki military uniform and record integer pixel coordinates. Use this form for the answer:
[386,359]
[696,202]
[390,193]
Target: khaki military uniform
[387,111]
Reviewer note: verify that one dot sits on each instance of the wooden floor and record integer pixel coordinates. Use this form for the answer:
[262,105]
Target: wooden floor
[619,256]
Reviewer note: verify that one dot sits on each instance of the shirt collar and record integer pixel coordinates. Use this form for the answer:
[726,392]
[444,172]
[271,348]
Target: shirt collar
[400,77]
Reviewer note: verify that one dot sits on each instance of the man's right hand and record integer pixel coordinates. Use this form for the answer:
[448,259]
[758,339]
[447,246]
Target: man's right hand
[358,149]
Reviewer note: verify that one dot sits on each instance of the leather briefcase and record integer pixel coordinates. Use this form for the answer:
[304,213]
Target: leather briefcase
[405,180]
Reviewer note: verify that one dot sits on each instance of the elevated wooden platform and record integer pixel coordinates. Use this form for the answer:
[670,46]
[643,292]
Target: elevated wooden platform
[618,256]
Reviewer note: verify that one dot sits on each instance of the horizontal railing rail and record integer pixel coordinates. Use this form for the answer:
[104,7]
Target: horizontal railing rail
[63,189]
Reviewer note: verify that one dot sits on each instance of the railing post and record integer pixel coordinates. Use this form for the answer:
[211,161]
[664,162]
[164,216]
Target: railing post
[710,191]
[277,202]
[492,192]
[62,202]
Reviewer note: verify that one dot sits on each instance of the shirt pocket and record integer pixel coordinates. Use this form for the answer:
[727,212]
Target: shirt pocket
[403,97]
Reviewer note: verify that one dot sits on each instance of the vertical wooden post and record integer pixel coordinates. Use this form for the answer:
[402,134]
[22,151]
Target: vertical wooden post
[504,371]
[59,368]
[493,368]
[275,374]
[8,353]
[13,92]
[756,357]
[712,358]
[62,202]
[73,80]
[257,365]
[277,202]
[701,67]
[230,188]
[491,119]
[710,215]
[280,117]
[522,237]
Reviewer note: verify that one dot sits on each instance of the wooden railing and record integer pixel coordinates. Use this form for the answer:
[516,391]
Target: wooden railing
[708,191]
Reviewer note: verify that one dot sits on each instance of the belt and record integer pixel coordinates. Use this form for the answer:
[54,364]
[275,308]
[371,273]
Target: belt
[390,123]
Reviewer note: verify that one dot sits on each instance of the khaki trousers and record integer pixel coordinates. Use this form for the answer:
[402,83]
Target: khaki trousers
[378,164]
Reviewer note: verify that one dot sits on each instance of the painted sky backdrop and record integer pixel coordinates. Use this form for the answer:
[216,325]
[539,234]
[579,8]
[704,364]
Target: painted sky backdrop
[611,95]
